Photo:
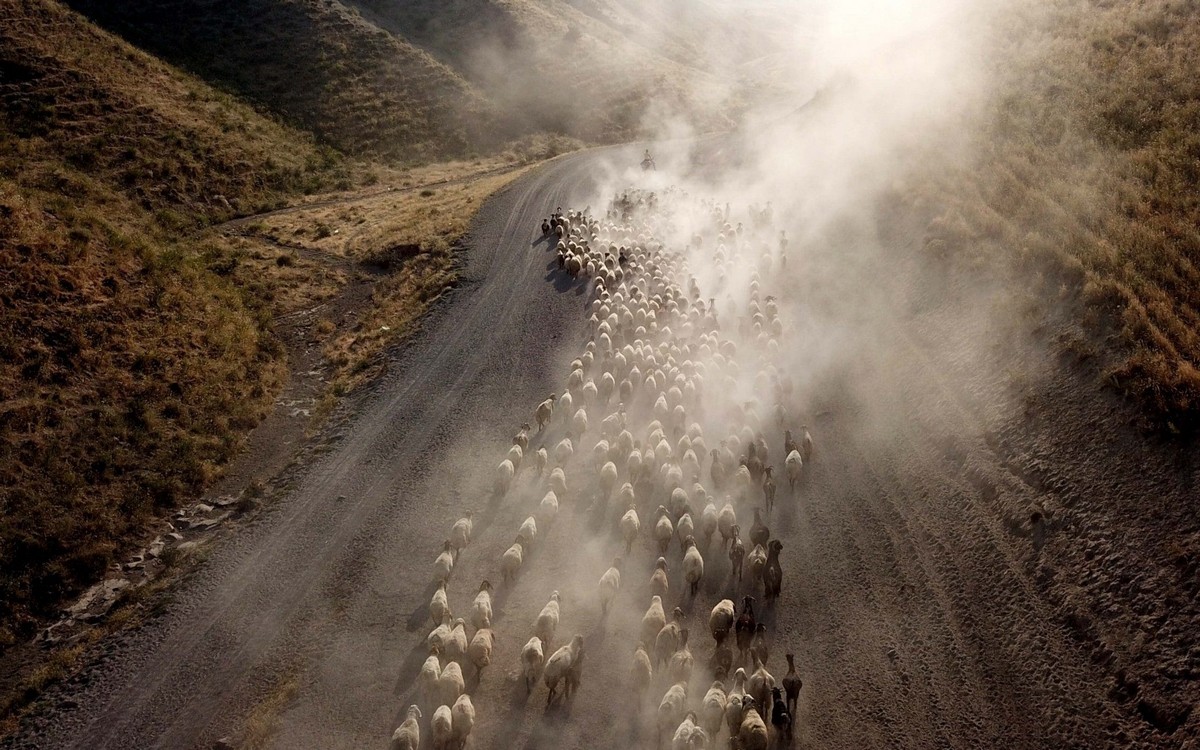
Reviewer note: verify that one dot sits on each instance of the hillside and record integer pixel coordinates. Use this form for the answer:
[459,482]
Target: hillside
[132,361]
[1088,180]
[320,66]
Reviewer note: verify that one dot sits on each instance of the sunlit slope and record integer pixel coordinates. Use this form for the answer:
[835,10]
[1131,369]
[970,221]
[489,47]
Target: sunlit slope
[131,358]
[319,65]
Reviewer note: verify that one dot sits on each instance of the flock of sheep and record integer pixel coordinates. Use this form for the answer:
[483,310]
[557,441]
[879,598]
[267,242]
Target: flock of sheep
[651,439]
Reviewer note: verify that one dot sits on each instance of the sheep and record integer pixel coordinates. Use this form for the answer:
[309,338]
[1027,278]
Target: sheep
[443,566]
[806,444]
[685,526]
[547,509]
[794,466]
[768,489]
[659,584]
[608,480]
[671,709]
[693,564]
[666,643]
[712,709]
[505,472]
[481,608]
[451,683]
[726,520]
[653,621]
[480,651]
[559,666]
[744,626]
[610,584]
[544,411]
[759,533]
[510,563]
[540,459]
[721,619]
[737,553]
[408,735]
[642,671]
[684,733]
[631,526]
[462,716]
[708,523]
[558,483]
[439,605]
[758,644]
[663,530]
[680,667]
[460,533]
[563,451]
[759,684]
[438,635]
[429,679]
[522,437]
[527,534]
[579,423]
[533,661]
[792,684]
[734,700]
[547,620]
[781,718]
[454,645]
[752,731]
[773,573]
[442,727]
[757,563]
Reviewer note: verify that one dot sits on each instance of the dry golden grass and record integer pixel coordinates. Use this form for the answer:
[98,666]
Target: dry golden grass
[263,722]
[1089,182]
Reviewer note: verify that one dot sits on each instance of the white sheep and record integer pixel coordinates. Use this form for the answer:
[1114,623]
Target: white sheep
[564,663]
[726,520]
[610,584]
[794,466]
[510,563]
[547,620]
[563,451]
[540,460]
[693,564]
[663,530]
[756,562]
[712,709]
[533,661]
[708,523]
[721,619]
[680,667]
[516,455]
[752,731]
[527,534]
[653,621]
[688,736]
[678,502]
[442,727]
[451,683]
[547,509]
[460,533]
[733,709]
[437,636]
[408,735]
[685,526]
[443,566]
[429,679]
[558,483]
[480,651]
[462,719]
[439,605]
[631,526]
[504,477]
[642,671]
[481,608]
[672,708]
[659,585]
[759,685]
[454,645]
[608,480]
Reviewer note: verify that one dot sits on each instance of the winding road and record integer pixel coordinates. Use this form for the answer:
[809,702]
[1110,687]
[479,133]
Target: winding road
[925,607]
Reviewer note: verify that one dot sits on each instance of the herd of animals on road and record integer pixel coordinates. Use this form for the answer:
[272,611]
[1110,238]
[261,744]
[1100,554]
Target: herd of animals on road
[624,443]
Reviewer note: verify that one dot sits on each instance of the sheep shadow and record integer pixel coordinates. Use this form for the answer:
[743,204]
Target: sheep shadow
[411,667]
[420,615]
[561,280]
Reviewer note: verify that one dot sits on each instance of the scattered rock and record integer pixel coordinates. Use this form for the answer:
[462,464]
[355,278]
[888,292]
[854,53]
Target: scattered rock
[225,743]
[225,501]
[175,536]
[156,548]
[202,508]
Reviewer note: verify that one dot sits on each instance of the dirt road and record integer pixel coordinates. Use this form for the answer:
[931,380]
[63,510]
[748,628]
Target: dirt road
[975,565]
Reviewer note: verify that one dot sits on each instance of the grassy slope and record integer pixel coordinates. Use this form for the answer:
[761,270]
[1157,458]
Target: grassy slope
[130,362]
[1090,178]
[590,69]
[318,64]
